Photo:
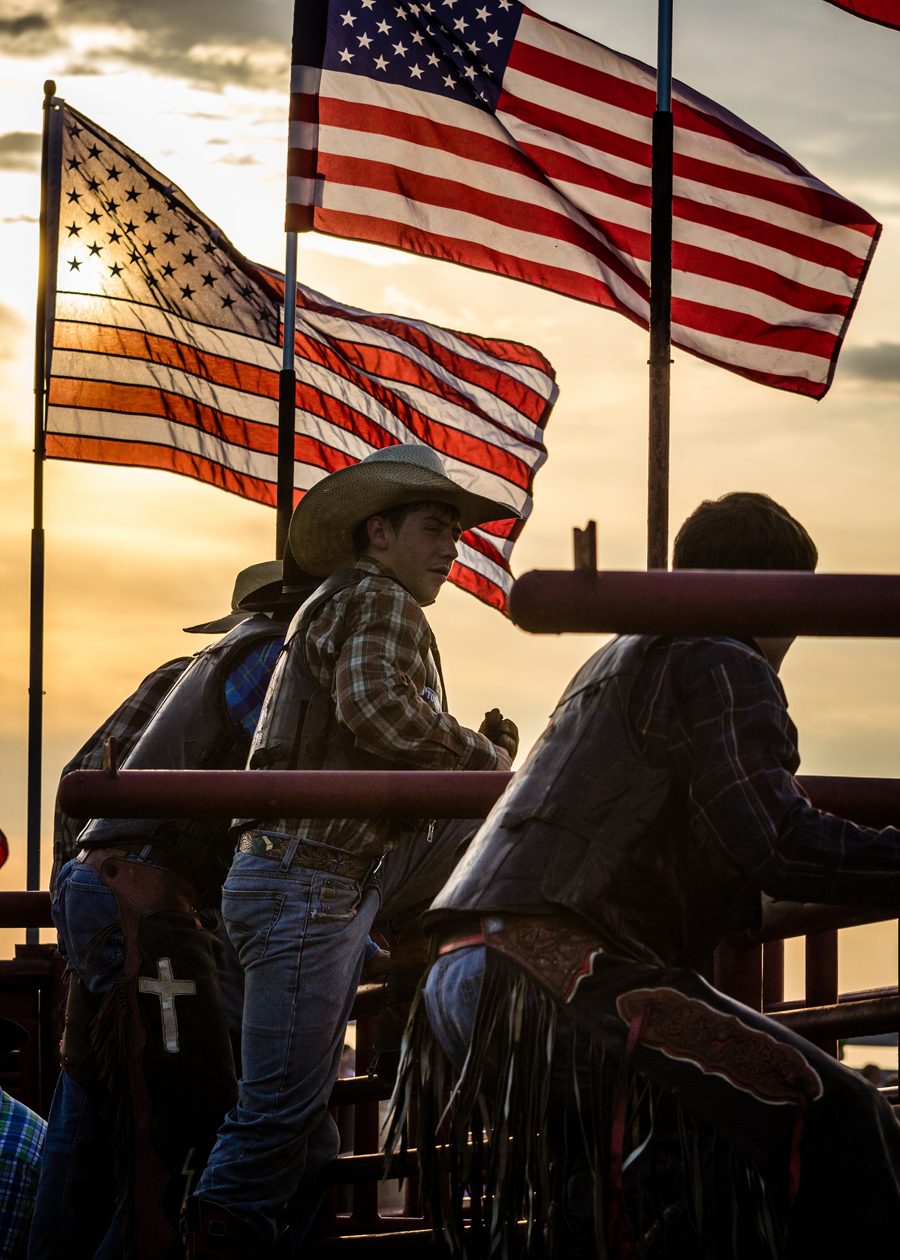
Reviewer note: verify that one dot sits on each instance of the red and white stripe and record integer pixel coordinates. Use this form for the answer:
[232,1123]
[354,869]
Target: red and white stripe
[554,190]
[139,386]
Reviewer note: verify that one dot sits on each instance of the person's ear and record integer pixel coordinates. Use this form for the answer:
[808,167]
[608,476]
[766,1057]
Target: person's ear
[380,533]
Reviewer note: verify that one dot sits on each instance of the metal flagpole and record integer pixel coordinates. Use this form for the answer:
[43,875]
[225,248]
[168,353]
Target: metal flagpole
[660,298]
[287,394]
[49,232]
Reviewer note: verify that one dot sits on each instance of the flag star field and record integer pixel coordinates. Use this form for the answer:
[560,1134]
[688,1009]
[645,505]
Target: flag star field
[427,46]
[165,354]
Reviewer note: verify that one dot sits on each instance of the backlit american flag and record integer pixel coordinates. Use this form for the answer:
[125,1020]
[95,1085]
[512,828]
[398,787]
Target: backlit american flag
[166,355]
[479,132]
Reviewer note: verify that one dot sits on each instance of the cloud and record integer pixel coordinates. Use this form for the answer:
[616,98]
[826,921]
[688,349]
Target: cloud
[879,363]
[28,35]
[20,151]
[232,159]
[214,43]
[12,328]
[19,218]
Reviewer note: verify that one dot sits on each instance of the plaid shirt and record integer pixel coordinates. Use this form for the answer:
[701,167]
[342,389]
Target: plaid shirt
[21,1142]
[248,682]
[714,711]
[126,724]
[372,646]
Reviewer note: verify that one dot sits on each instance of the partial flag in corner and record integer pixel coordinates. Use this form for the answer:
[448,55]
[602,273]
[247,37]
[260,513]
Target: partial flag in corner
[884,12]
[165,354]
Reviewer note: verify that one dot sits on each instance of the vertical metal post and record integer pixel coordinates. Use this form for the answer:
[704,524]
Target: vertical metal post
[365,1137]
[287,395]
[822,977]
[773,973]
[660,298]
[738,972]
[36,611]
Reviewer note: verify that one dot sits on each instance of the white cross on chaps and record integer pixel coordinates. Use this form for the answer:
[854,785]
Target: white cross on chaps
[167,989]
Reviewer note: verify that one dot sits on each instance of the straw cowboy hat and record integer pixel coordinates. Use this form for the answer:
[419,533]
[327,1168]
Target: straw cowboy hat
[321,529]
[261,580]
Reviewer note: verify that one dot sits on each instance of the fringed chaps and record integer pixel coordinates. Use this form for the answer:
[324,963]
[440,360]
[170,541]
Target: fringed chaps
[575,1133]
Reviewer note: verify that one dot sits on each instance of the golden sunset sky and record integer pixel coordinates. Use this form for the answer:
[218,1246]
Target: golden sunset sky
[200,90]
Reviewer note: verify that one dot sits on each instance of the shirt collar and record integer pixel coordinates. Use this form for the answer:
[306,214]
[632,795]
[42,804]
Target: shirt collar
[370,565]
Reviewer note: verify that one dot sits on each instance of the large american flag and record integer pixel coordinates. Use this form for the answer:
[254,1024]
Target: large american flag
[479,132]
[166,355]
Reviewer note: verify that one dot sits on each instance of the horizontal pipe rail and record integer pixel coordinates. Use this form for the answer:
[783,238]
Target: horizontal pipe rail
[349,1169]
[384,1246]
[349,1091]
[845,1019]
[707,601]
[797,1004]
[25,910]
[373,794]
[281,793]
[785,919]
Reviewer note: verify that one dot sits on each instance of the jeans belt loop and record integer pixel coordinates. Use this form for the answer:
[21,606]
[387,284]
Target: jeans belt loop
[289,855]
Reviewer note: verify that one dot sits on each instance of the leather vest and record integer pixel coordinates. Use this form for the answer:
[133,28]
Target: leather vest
[191,730]
[298,728]
[587,825]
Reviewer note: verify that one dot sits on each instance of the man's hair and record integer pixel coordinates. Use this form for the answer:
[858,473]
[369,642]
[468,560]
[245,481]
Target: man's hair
[743,531]
[395,516]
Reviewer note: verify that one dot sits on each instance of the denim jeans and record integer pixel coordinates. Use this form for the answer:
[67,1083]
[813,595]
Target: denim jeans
[300,935]
[74,1211]
[451,999]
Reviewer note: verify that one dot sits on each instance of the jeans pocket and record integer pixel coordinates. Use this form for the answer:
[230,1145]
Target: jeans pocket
[249,916]
[87,919]
[335,899]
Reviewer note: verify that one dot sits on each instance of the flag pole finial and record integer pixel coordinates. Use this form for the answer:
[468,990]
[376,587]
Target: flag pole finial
[49,89]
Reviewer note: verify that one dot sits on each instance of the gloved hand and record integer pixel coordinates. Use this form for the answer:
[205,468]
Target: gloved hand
[501,731]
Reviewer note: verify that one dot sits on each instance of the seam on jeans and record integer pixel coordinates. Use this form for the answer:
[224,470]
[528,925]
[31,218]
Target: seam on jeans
[295,1006]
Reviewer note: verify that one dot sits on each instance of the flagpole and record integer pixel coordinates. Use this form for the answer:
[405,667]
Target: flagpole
[36,618]
[660,298]
[287,394]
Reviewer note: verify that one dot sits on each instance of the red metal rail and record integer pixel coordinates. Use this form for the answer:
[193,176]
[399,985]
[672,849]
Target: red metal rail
[372,794]
[707,601]
[281,793]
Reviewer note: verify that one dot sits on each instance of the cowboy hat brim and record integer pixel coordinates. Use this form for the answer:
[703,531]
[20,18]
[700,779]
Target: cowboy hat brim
[218,627]
[323,523]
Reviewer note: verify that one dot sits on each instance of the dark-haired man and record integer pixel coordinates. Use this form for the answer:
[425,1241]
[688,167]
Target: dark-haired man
[358,686]
[646,823]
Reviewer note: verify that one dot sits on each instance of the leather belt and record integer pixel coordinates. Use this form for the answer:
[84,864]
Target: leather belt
[309,853]
[461,942]
[96,857]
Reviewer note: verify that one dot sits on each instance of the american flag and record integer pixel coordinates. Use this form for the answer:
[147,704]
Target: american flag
[479,132]
[166,355]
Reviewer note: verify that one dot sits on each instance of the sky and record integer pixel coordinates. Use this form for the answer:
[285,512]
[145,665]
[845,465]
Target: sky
[200,90]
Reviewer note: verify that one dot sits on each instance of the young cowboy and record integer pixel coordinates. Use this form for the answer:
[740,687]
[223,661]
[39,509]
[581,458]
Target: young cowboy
[646,1113]
[148,1070]
[357,687]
